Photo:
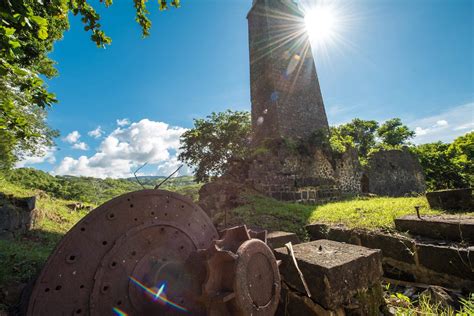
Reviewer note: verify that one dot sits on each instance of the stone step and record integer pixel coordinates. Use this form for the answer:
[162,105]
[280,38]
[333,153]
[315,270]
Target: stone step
[448,228]
[277,239]
[411,259]
[334,272]
[458,200]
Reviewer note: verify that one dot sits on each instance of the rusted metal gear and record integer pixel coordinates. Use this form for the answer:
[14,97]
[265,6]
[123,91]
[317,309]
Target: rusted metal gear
[242,275]
[122,255]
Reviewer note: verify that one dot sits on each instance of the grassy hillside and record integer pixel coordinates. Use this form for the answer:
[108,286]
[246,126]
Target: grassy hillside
[93,190]
[23,257]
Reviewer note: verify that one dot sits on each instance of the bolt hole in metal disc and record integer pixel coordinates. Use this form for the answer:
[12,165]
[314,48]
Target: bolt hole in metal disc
[257,280]
[119,256]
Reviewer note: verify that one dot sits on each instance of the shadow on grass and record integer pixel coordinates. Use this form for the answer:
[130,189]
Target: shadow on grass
[272,215]
[22,258]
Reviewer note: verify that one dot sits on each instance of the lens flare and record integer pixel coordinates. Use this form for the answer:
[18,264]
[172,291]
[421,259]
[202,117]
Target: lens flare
[158,295]
[321,23]
[117,311]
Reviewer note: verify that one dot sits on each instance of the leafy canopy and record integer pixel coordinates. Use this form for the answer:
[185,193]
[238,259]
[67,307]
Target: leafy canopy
[394,133]
[214,141]
[448,166]
[362,133]
[28,30]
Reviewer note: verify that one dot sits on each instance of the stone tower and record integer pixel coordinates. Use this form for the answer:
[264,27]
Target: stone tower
[285,92]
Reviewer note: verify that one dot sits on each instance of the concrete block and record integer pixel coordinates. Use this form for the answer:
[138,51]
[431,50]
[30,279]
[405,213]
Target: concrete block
[334,271]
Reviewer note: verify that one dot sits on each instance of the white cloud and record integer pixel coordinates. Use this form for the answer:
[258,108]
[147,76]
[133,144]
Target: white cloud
[72,137]
[168,167]
[126,148]
[80,146]
[96,133]
[420,131]
[48,156]
[445,126]
[467,126]
[441,123]
[123,122]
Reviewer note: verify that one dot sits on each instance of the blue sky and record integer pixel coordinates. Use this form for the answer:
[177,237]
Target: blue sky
[396,58]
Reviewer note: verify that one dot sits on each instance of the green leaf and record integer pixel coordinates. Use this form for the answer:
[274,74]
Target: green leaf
[19,71]
[39,20]
[14,44]
[9,31]
[43,33]
[163,5]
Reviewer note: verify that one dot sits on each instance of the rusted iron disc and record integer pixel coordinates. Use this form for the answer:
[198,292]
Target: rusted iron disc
[242,275]
[135,242]
[257,279]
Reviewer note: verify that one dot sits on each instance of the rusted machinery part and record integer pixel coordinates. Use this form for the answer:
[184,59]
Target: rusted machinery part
[147,235]
[242,275]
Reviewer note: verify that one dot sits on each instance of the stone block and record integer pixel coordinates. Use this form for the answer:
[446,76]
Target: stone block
[334,271]
[451,228]
[276,195]
[447,259]
[343,234]
[396,247]
[278,239]
[288,196]
[17,215]
[317,231]
[304,195]
[451,200]
[296,304]
[297,196]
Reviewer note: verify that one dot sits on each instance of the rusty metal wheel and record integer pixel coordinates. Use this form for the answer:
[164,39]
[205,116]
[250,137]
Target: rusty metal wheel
[123,253]
[242,275]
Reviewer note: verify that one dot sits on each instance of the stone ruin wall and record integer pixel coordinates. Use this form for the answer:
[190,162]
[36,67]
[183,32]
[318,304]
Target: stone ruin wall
[394,173]
[318,178]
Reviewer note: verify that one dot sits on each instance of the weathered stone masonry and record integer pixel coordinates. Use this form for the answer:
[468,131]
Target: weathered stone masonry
[286,98]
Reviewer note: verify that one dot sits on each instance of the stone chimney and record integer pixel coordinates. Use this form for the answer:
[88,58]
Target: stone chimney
[285,92]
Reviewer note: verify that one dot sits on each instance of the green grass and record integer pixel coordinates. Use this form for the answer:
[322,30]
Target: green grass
[370,213]
[357,212]
[404,306]
[21,258]
[270,214]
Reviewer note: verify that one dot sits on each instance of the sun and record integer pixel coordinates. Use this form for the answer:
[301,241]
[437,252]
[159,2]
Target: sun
[321,23]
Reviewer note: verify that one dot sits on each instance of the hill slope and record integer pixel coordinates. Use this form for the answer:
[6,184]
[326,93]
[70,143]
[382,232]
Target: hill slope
[93,190]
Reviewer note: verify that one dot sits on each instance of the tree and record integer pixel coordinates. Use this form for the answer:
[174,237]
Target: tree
[393,133]
[215,140]
[461,153]
[24,132]
[362,133]
[440,171]
[340,141]
[28,30]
